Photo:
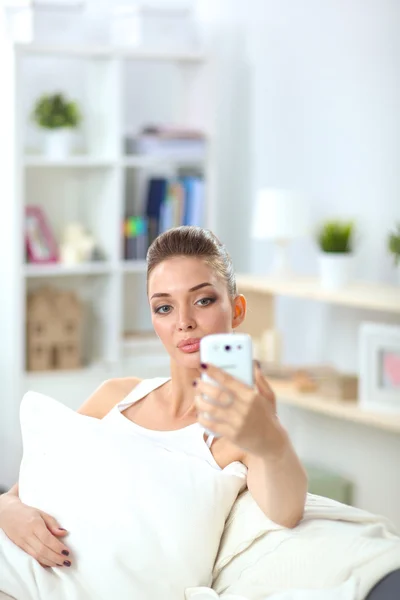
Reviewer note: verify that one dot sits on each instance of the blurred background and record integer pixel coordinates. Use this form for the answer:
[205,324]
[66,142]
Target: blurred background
[275,124]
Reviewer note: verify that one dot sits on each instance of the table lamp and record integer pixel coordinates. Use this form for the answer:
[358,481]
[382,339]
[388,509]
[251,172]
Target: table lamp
[281,216]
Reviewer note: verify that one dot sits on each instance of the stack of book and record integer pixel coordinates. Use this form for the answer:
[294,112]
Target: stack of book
[168,203]
[174,202]
[168,142]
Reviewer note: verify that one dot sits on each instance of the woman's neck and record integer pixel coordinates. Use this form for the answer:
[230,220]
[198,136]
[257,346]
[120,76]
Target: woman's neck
[181,391]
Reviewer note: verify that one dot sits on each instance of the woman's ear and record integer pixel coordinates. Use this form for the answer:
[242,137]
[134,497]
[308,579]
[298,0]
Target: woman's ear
[239,311]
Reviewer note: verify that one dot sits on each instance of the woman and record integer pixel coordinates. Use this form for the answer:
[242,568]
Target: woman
[192,293]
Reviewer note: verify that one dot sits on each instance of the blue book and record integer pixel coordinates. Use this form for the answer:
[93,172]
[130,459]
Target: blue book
[156,193]
[194,201]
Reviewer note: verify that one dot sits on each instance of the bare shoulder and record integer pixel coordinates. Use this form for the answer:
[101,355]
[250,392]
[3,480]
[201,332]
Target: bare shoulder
[107,395]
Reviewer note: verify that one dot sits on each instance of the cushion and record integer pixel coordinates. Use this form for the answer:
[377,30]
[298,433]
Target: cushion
[334,547]
[131,534]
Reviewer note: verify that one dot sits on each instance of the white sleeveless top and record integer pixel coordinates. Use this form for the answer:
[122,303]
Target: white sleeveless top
[189,440]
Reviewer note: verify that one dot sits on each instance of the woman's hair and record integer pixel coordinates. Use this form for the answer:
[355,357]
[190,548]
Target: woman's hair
[194,242]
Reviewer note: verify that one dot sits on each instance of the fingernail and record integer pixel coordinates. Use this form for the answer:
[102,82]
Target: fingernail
[203,365]
[194,383]
[61,529]
[67,563]
[258,364]
[65,552]
[59,565]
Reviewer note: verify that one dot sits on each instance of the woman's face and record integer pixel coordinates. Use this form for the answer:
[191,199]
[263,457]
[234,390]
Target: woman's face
[188,300]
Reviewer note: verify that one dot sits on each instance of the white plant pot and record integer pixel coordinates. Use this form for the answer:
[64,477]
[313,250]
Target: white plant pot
[336,270]
[58,143]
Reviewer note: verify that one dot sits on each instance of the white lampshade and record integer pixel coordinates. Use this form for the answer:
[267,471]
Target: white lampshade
[280,215]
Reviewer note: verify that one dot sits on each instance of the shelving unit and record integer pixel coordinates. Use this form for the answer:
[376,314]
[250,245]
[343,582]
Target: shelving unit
[261,293]
[93,185]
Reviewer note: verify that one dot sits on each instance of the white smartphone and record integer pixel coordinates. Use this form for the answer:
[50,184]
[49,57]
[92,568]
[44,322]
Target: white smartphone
[232,352]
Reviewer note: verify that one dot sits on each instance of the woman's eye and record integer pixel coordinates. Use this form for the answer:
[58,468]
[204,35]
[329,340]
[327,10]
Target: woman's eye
[205,301]
[163,310]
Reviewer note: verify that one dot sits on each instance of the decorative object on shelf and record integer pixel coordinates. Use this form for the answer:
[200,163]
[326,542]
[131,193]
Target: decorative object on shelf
[19,20]
[46,20]
[335,240]
[393,244]
[41,246]
[125,25]
[54,330]
[379,367]
[281,216]
[168,26]
[168,142]
[57,116]
[78,246]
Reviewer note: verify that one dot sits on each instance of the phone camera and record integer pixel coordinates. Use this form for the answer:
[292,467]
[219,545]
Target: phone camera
[227,348]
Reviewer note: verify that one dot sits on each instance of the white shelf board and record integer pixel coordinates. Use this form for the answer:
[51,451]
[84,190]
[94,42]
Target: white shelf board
[78,161]
[347,410]
[144,160]
[133,266]
[372,296]
[142,343]
[60,270]
[109,51]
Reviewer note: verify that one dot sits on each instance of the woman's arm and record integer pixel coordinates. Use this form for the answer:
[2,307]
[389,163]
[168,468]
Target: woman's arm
[278,482]
[247,417]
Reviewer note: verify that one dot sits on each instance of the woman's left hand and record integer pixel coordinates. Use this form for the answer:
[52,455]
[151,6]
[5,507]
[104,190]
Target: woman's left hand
[243,414]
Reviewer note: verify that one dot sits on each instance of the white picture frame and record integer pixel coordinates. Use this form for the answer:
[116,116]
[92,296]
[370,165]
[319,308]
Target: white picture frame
[379,367]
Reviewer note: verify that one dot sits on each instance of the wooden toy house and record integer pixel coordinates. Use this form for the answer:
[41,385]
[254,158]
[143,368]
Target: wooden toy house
[54,330]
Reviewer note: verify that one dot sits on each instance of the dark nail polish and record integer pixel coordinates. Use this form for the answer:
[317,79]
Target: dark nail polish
[59,565]
[203,366]
[67,563]
[65,552]
[258,364]
[194,383]
[61,529]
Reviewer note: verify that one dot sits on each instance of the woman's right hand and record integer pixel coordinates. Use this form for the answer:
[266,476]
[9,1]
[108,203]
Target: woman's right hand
[35,532]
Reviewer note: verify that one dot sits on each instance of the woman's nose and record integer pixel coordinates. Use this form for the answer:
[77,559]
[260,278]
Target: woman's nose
[186,322]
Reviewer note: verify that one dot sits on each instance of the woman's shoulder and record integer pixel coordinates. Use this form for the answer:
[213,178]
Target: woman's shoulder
[107,395]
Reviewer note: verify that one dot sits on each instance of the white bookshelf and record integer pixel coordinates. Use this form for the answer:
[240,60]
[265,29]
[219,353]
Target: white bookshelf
[91,185]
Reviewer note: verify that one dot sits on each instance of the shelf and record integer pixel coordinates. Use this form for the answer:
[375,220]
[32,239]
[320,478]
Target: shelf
[60,270]
[347,410]
[142,342]
[133,266]
[145,161]
[78,161]
[371,296]
[108,51]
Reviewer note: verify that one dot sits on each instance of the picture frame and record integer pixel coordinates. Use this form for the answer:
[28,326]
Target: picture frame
[379,367]
[41,245]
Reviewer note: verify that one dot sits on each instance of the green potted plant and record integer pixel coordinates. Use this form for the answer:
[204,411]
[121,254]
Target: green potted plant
[393,245]
[58,117]
[335,239]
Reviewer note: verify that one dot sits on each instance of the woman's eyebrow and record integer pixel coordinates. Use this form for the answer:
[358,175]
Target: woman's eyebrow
[193,289]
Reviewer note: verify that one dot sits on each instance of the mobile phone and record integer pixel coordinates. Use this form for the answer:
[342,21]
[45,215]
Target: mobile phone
[232,352]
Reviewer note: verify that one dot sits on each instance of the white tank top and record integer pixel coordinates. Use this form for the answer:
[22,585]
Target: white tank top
[189,440]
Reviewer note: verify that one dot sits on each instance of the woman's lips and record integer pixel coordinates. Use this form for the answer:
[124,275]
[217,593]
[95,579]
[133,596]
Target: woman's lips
[189,346]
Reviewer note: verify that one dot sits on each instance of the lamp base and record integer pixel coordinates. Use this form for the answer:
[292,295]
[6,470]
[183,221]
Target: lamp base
[281,265]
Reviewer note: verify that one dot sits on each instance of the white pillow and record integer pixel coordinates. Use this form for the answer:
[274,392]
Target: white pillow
[138,514]
[334,545]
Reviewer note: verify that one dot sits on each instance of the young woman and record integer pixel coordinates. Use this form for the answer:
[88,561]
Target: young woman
[192,293]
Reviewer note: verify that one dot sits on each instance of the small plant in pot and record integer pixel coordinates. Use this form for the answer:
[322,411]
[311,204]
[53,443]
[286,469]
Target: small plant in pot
[58,117]
[335,239]
[393,244]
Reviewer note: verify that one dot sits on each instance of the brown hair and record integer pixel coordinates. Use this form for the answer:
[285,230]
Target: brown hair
[193,242]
